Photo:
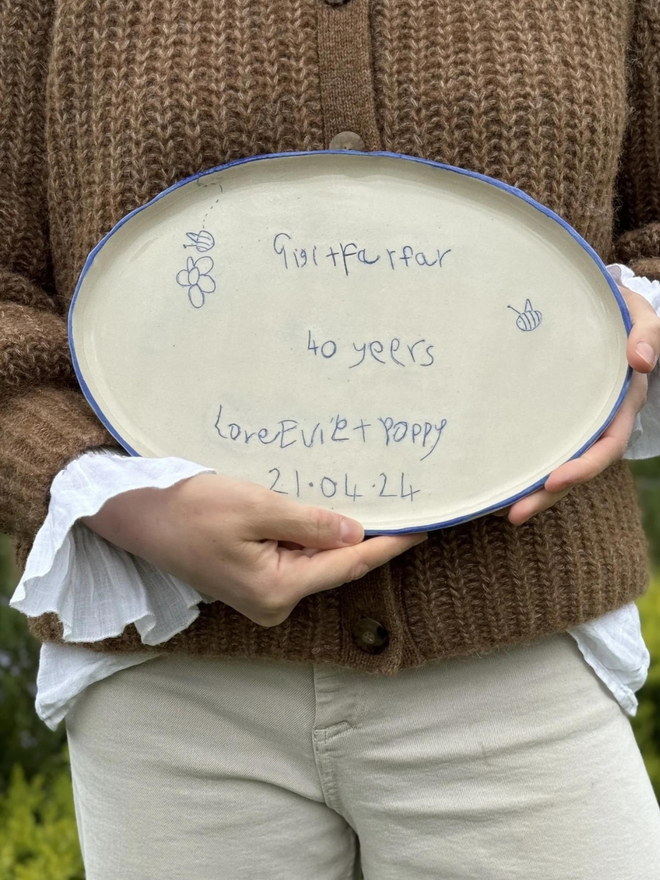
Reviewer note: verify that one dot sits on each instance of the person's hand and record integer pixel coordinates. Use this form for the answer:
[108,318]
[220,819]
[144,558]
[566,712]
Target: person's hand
[642,350]
[238,542]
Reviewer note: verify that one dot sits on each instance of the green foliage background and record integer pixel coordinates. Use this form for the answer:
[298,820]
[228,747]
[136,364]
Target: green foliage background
[38,835]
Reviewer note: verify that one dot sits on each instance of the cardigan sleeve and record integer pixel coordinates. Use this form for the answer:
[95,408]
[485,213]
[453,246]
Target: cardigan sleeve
[44,419]
[637,241]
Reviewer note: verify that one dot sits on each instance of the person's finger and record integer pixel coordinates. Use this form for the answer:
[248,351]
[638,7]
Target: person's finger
[594,461]
[280,518]
[532,504]
[332,568]
[643,348]
[610,447]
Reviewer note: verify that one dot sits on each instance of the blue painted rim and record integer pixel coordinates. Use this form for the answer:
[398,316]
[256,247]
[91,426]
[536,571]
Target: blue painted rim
[513,190]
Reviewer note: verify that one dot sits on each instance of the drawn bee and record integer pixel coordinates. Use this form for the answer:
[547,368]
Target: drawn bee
[202,241]
[529,319]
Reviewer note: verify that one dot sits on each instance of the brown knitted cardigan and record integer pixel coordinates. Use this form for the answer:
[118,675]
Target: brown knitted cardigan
[103,104]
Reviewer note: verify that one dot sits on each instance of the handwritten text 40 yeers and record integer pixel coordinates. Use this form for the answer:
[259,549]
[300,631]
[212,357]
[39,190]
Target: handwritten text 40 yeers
[393,351]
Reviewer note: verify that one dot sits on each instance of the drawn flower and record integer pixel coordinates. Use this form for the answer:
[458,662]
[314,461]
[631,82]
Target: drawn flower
[197,279]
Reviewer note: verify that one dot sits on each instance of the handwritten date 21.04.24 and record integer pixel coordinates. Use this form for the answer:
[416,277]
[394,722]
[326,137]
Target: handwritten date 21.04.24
[299,485]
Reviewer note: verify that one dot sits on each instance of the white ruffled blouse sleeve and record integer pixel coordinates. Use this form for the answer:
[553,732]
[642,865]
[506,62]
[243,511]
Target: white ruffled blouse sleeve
[644,441]
[95,588]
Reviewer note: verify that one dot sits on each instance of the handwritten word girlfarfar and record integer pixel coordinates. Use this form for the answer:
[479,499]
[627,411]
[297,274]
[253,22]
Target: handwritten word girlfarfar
[349,256]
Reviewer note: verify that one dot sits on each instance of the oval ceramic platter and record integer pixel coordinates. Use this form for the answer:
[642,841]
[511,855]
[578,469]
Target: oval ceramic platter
[406,342]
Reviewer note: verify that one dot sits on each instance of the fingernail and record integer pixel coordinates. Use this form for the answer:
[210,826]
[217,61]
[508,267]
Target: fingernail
[645,351]
[350,531]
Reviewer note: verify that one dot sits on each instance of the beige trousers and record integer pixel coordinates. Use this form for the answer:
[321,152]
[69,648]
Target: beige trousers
[518,765]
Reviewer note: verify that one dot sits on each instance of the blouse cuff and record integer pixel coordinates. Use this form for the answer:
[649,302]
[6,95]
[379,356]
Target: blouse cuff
[94,587]
[644,440]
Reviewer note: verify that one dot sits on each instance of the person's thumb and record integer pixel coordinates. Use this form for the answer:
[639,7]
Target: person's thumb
[283,519]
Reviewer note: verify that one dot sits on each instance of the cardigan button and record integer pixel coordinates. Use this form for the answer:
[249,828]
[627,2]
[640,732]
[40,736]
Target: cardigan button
[370,635]
[347,140]
[336,2]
